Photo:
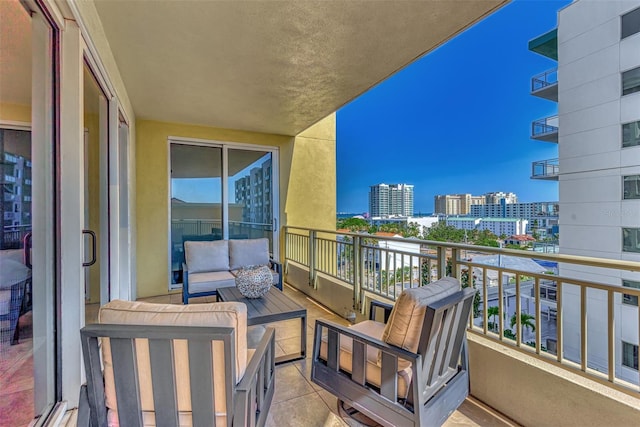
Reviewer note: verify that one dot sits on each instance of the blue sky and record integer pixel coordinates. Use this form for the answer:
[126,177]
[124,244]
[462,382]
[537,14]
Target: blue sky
[457,120]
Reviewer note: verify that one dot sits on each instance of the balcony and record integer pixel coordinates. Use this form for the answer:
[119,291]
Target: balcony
[545,85]
[530,326]
[546,44]
[545,169]
[545,129]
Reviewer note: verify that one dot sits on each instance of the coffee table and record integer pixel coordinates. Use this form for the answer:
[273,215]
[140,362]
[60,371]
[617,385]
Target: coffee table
[273,307]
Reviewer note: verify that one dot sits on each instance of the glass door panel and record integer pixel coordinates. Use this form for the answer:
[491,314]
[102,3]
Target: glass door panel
[96,223]
[196,199]
[250,190]
[27,233]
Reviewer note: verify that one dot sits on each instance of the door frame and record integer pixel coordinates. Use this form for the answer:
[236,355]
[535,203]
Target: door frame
[226,146]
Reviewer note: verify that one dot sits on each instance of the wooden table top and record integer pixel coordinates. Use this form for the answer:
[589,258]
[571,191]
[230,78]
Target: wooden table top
[272,307]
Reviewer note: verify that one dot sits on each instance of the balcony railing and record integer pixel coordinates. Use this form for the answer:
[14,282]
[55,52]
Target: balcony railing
[528,300]
[545,85]
[545,169]
[545,129]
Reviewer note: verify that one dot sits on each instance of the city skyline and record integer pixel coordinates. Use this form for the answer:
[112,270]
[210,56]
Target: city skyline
[446,148]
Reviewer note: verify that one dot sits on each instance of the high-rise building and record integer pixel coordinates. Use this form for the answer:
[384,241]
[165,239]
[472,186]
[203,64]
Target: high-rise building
[461,204]
[390,200]
[497,197]
[596,47]
[254,193]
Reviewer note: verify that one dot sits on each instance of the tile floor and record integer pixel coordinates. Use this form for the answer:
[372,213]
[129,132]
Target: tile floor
[300,403]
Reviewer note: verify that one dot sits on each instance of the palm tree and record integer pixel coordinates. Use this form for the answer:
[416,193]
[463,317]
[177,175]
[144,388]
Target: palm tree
[527,321]
[492,312]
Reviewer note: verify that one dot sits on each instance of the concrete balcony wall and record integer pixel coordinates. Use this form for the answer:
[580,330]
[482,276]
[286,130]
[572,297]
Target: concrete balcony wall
[535,393]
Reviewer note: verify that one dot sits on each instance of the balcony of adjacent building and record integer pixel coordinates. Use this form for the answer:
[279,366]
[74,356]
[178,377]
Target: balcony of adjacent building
[545,169]
[545,129]
[545,85]
[546,44]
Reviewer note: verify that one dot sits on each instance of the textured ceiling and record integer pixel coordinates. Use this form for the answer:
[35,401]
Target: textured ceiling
[269,66]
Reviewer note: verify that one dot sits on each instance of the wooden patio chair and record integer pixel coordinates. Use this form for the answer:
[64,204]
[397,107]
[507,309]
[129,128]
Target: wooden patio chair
[171,365]
[411,371]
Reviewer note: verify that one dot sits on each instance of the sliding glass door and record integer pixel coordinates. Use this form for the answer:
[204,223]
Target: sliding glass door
[220,191]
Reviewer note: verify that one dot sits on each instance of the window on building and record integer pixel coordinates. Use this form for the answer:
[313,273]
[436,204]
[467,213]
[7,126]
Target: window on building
[631,134]
[630,299]
[630,355]
[631,81]
[631,187]
[630,23]
[631,239]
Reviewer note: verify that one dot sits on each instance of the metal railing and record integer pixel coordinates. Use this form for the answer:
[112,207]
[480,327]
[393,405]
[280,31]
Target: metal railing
[549,168]
[546,126]
[545,79]
[539,303]
[13,236]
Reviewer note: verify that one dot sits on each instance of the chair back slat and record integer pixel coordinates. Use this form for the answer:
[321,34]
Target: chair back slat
[462,319]
[201,378]
[95,382]
[333,350]
[359,362]
[389,376]
[445,339]
[161,358]
[125,375]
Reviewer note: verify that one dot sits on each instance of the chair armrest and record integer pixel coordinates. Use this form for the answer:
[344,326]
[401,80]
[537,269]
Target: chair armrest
[255,389]
[277,267]
[379,304]
[185,268]
[350,333]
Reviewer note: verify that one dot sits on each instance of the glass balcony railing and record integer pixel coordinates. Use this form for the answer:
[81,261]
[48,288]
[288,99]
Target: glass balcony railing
[545,129]
[545,85]
[531,301]
[545,169]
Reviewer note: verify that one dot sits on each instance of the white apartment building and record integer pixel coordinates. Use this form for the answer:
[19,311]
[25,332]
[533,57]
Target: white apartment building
[390,200]
[541,215]
[598,134]
[498,226]
[497,197]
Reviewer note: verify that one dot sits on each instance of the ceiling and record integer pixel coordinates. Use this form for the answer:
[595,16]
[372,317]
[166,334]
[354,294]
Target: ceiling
[267,66]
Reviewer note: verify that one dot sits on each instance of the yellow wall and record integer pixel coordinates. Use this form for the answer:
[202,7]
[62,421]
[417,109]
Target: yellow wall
[307,186]
[15,112]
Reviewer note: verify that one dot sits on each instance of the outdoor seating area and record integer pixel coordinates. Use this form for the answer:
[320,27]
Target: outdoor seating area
[287,394]
[210,265]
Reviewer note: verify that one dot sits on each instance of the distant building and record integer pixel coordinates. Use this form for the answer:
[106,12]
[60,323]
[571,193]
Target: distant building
[456,204]
[253,192]
[542,216]
[498,226]
[425,221]
[520,240]
[391,200]
[497,197]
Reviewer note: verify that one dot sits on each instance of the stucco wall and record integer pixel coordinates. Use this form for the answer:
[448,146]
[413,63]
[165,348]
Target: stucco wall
[15,112]
[307,186]
[535,393]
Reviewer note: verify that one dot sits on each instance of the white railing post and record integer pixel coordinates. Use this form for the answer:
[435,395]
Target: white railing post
[357,273]
[312,258]
[454,266]
[441,252]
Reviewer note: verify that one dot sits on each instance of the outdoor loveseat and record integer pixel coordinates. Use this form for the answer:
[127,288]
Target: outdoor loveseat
[210,265]
[173,365]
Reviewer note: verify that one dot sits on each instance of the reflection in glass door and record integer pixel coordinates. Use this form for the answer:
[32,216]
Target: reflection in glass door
[96,224]
[219,191]
[250,195]
[196,199]
[27,233]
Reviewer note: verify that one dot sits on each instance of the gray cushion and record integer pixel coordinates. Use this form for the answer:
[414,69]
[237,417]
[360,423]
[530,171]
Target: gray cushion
[210,281]
[248,252]
[206,256]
